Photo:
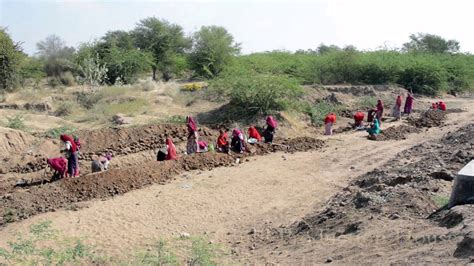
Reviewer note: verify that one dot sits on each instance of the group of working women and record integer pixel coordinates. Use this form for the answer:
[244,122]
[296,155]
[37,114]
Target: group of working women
[237,143]
[374,116]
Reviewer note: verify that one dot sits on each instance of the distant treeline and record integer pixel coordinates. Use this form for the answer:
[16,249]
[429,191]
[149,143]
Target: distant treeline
[426,64]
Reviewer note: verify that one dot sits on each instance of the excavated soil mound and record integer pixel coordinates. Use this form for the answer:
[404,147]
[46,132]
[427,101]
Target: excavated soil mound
[397,133]
[22,203]
[401,190]
[14,141]
[430,118]
[118,141]
[122,141]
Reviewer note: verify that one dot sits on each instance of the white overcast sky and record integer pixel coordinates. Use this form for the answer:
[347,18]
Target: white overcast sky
[257,25]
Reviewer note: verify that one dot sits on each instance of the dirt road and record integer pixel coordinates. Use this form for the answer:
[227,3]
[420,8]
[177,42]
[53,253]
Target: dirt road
[226,203]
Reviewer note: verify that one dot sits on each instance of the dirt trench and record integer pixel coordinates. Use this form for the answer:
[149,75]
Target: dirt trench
[20,203]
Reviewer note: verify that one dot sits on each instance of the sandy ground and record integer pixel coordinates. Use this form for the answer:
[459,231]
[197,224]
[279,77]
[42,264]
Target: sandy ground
[226,203]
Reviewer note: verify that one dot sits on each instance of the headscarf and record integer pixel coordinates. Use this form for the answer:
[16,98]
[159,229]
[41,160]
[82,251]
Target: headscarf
[434,106]
[442,106]
[379,105]
[66,138]
[272,122]
[172,155]
[399,101]
[191,124]
[236,133]
[253,133]
[330,118]
[359,116]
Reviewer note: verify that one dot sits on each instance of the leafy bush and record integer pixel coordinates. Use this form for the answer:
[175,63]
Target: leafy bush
[423,73]
[319,111]
[16,122]
[257,93]
[10,59]
[424,78]
[92,71]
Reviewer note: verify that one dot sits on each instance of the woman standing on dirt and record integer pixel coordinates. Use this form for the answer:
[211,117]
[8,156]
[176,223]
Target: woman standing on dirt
[408,104]
[71,154]
[270,130]
[328,123]
[193,136]
[379,113]
[397,109]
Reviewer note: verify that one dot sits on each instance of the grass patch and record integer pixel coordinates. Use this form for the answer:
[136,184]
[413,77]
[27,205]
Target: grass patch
[202,253]
[56,132]
[440,201]
[128,107]
[318,111]
[158,254]
[366,102]
[43,245]
[16,122]
[176,119]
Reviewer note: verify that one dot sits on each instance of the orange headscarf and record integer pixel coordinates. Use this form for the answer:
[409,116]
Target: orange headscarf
[253,133]
[172,155]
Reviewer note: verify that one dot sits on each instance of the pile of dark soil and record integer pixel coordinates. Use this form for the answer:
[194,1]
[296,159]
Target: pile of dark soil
[397,133]
[20,203]
[37,164]
[430,118]
[405,188]
[122,141]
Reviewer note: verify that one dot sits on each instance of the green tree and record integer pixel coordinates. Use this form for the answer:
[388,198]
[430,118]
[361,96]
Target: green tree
[213,48]
[10,60]
[119,38]
[429,43]
[57,57]
[121,65]
[324,49]
[31,70]
[164,41]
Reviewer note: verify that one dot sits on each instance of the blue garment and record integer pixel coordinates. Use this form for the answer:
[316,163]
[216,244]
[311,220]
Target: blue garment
[375,129]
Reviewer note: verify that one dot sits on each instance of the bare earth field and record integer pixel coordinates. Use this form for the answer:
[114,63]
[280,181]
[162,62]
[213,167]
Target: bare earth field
[308,202]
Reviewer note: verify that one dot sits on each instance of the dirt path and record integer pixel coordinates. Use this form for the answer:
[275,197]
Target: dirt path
[227,202]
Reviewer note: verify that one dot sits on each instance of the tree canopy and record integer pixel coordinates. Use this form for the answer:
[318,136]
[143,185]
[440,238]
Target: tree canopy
[430,43]
[163,40]
[213,49]
[10,59]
